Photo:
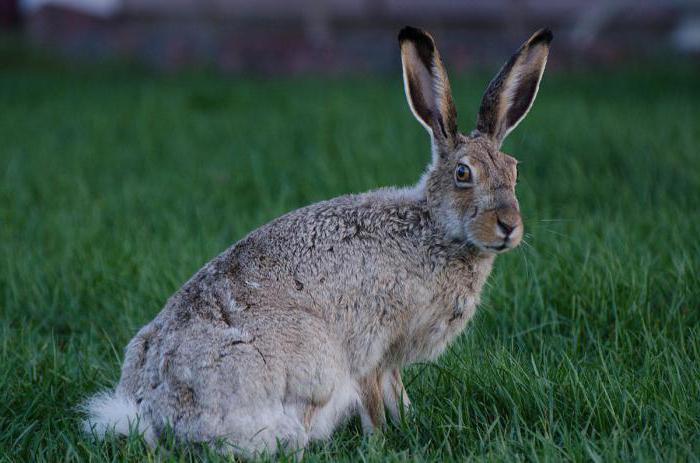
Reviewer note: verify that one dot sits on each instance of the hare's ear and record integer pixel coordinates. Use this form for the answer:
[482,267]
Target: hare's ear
[511,93]
[426,85]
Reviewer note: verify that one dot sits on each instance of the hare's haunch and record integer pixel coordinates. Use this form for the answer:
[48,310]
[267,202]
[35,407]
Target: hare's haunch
[310,318]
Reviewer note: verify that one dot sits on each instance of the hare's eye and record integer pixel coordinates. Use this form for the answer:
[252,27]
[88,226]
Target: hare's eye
[463,175]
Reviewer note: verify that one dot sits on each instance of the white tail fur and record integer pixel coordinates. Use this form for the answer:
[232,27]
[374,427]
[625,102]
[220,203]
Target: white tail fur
[110,412]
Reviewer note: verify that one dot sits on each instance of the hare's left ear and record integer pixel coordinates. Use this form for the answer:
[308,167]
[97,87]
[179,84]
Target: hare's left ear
[426,85]
[511,93]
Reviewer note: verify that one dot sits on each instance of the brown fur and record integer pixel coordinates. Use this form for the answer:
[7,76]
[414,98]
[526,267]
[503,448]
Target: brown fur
[371,396]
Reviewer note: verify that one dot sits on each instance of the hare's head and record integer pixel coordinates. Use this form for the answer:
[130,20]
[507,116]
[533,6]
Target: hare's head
[470,184]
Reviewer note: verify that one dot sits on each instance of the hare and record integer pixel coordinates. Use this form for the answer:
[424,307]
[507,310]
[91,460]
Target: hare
[310,318]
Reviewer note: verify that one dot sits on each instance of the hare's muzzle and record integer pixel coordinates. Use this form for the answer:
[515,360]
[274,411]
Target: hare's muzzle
[507,229]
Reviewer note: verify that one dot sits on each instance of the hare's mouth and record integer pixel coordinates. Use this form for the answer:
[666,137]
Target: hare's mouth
[506,245]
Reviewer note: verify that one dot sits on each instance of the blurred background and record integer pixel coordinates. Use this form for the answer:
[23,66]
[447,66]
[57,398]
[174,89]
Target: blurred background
[338,36]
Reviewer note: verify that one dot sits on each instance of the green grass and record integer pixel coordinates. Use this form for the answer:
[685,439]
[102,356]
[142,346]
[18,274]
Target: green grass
[117,185]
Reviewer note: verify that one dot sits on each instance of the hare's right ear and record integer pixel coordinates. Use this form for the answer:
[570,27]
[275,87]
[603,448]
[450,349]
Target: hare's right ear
[426,85]
[511,93]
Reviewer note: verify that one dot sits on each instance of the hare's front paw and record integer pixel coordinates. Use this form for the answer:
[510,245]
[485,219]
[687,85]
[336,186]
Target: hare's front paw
[395,395]
[372,410]
[380,389]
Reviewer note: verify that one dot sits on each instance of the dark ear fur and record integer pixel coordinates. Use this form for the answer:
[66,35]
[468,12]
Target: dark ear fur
[426,85]
[511,93]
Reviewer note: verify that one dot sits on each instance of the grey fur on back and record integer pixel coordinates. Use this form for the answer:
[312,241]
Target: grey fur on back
[309,318]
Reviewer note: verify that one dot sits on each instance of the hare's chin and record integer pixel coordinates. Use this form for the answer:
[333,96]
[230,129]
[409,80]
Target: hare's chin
[500,248]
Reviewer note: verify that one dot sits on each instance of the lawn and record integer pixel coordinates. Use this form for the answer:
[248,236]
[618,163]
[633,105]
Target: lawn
[116,185]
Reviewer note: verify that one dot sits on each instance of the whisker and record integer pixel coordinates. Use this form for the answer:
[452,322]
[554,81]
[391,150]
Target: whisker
[524,241]
[563,235]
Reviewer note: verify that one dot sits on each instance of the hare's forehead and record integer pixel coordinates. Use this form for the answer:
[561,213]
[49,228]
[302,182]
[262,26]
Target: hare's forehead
[483,156]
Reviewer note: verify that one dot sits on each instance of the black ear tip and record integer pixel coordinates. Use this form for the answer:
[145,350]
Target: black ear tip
[542,36]
[409,32]
[416,35]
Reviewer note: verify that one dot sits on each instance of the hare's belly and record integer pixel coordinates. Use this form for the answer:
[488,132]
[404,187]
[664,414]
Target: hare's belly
[321,419]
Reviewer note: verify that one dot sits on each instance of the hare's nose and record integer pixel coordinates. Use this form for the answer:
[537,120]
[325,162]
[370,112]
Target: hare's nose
[505,228]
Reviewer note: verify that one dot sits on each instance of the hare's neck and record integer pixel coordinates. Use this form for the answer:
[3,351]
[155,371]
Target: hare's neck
[467,272]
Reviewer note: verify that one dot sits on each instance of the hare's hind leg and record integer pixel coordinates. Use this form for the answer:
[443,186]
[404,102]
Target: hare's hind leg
[266,428]
[296,384]
[265,378]
[219,384]
[301,350]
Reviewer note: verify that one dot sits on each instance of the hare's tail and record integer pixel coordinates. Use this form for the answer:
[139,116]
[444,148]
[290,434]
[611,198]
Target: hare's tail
[111,412]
